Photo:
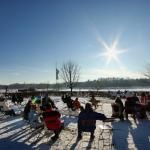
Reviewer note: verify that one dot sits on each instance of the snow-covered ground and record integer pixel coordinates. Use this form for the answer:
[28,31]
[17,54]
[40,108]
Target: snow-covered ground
[15,133]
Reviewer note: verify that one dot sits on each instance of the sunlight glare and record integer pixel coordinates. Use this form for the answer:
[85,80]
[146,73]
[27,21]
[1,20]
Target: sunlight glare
[112,53]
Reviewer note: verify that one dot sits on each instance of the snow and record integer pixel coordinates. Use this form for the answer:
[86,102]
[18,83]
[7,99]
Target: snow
[15,133]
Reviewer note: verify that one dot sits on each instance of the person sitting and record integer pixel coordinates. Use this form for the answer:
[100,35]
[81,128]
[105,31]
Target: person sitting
[46,101]
[139,107]
[134,107]
[130,107]
[14,98]
[117,109]
[94,101]
[69,102]
[87,120]
[52,121]
[5,107]
[20,99]
[27,110]
[64,98]
[34,118]
[76,104]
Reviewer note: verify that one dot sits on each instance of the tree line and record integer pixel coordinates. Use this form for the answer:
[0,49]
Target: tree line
[91,84]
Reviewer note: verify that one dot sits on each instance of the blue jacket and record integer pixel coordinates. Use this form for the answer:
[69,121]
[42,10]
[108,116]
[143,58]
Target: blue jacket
[87,120]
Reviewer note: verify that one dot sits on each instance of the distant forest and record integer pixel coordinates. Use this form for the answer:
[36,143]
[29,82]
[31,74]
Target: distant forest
[95,84]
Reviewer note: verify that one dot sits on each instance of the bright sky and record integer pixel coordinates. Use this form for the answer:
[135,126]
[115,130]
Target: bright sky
[106,38]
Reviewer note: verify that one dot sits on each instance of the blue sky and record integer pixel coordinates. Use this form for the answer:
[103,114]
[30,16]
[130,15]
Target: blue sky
[35,34]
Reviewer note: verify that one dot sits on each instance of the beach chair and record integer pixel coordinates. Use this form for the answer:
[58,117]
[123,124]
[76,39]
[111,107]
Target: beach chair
[130,108]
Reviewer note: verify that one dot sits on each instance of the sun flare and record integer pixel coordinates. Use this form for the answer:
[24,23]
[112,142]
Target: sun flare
[111,52]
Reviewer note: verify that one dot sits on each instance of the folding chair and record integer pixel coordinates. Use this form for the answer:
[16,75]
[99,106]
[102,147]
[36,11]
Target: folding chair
[86,126]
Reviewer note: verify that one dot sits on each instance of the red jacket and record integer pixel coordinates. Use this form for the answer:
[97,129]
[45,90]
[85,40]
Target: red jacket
[76,104]
[52,119]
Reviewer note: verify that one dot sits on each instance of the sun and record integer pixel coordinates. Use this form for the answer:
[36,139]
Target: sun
[111,52]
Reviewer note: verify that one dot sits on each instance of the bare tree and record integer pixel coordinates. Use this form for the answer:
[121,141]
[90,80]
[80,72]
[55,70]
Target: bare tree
[70,74]
[147,71]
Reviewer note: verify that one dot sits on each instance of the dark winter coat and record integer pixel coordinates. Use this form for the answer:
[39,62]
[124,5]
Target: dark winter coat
[87,120]
[26,110]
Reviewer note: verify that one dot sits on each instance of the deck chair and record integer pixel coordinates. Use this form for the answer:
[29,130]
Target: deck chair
[130,108]
[86,126]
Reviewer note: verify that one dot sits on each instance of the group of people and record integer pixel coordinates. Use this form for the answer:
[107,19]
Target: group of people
[75,104]
[51,117]
[17,98]
[71,104]
[44,113]
[133,105]
[87,117]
